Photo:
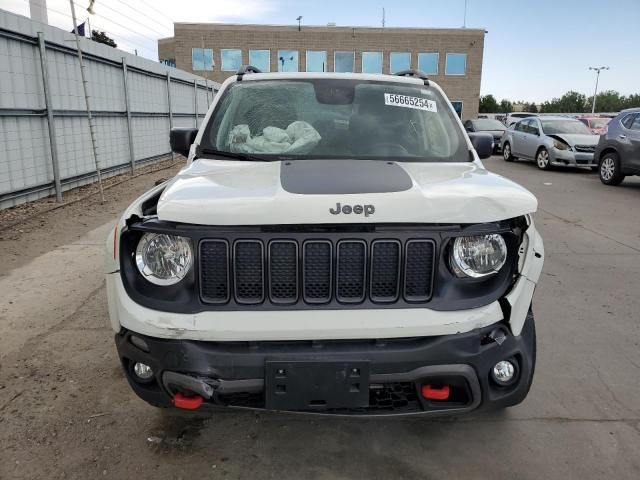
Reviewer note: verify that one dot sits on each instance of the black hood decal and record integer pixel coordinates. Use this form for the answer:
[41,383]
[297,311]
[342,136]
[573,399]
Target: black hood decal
[335,177]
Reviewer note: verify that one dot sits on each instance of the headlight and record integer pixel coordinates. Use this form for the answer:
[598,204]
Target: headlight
[164,259]
[560,145]
[478,256]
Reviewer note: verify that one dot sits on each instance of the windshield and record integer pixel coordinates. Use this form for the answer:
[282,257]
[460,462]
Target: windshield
[334,118]
[487,124]
[554,127]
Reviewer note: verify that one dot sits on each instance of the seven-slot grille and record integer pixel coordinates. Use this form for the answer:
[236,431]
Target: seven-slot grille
[286,271]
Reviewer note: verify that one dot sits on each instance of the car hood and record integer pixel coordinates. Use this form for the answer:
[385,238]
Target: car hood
[220,192]
[495,133]
[577,139]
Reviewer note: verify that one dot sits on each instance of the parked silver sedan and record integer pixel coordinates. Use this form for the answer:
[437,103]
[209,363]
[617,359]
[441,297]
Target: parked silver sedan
[551,141]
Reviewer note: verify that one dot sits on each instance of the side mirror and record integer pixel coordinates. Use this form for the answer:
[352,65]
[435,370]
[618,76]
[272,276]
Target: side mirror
[181,139]
[482,143]
[468,128]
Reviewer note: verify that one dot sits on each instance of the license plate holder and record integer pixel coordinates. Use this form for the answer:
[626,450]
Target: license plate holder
[313,385]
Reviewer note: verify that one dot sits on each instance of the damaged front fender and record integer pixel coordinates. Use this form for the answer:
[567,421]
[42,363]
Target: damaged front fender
[530,266]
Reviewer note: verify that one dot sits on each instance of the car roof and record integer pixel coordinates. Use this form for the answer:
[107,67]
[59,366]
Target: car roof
[557,117]
[630,110]
[379,77]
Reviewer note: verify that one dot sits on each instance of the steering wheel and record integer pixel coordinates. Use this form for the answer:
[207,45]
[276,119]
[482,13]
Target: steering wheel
[390,148]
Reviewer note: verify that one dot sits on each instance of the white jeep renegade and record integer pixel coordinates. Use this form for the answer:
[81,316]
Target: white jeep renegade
[333,245]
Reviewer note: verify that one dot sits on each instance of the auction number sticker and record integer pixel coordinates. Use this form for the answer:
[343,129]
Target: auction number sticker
[410,102]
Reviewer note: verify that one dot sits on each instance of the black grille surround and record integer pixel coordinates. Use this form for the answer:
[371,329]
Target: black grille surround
[319,267]
[346,271]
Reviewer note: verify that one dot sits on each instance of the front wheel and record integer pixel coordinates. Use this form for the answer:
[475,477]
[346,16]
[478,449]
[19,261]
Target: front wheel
[542,159]
[506,153]
[610,172]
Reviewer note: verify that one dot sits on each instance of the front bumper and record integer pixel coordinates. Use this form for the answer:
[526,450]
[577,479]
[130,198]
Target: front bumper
[235,372]
[572,158]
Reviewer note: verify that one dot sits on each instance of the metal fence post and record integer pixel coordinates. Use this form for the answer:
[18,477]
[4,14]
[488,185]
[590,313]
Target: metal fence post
[173,155]
[132,155]
[195,100]
[50,120]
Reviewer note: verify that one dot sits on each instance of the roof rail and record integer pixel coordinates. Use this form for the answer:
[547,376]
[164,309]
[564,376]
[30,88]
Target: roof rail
[414,73]
[246,69]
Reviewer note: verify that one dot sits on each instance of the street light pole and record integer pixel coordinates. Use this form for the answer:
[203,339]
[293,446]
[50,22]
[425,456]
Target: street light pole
[464,24]
[595,93]
[299,21]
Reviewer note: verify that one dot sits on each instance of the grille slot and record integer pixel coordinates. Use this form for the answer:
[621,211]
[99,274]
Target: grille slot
[248,266]
[214,271]
[385,270]
[351,270]
[418,270]
[317,271]
[283,271]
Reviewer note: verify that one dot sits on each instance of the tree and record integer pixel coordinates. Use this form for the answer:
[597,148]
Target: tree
[102,37]
[533,108]
[506,106]
[488,104]
[572,102]
[632,101]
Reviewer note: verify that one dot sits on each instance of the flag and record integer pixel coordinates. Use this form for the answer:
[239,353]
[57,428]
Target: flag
[80,29]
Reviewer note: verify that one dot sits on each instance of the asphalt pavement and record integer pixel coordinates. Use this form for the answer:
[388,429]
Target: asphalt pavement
[67,412]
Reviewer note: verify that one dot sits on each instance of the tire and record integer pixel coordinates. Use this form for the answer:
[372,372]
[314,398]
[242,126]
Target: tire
[542,159]
[506,153]
[609,169]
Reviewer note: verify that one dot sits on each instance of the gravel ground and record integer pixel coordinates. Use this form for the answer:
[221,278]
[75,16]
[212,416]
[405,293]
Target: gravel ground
[66,410]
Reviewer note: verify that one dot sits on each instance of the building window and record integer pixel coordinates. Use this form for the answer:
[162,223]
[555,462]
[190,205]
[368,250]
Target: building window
[202,59]
[457,106]
[230,59]
[169,62]
[399,61]
[287,60]
[344,62]
[371,62]
[261,59]
[316,61]
[456,64]
[428,63]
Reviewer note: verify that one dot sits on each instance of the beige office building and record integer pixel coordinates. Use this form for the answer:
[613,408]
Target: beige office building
[451,57]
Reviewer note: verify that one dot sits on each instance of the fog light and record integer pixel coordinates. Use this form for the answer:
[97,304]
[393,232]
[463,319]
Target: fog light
[503,372]
[142,371]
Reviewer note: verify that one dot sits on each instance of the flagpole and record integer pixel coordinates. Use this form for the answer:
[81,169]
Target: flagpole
[86,99]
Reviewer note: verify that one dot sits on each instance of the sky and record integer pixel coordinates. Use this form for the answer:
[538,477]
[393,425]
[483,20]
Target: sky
[534,49]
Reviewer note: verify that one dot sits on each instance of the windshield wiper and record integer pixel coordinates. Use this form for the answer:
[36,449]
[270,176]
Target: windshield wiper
[236,156]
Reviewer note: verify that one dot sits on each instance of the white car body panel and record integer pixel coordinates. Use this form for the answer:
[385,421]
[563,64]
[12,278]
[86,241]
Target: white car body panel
[292,324]
[219,192]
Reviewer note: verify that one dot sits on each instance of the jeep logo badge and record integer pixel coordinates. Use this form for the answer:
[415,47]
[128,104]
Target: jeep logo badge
[357,209]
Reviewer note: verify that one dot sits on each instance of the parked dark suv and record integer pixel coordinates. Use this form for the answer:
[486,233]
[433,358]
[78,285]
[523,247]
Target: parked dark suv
[618,151]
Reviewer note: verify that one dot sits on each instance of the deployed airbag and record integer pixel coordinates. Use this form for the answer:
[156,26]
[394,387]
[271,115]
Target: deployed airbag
[299,138]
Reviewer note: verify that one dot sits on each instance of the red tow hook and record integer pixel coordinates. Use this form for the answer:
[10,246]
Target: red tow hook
[187,403]
[433,393]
